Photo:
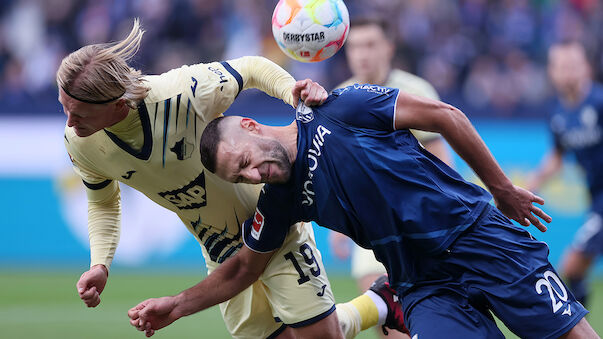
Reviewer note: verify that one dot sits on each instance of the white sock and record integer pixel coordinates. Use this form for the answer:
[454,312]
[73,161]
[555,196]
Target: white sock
[381,306]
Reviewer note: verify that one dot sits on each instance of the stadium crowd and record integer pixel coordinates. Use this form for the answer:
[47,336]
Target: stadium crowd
[487,57]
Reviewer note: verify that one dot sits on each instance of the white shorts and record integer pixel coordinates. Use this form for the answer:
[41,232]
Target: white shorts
[364,263]
[293,290]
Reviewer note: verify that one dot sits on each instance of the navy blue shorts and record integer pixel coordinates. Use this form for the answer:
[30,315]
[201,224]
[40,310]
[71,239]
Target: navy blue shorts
[495,267]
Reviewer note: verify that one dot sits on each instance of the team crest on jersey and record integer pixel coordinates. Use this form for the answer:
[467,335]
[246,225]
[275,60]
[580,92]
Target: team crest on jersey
[588,116]
[258,224]
[183,149]
[304,113]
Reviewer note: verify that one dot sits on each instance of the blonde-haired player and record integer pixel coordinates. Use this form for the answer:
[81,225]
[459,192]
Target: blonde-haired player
[369,51]
[144,132]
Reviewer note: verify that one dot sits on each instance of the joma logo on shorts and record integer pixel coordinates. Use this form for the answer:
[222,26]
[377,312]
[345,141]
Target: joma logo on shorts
[190,196]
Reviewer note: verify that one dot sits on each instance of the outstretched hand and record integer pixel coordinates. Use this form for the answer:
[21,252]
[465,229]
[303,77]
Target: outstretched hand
[518,205]
[310,92]
[153,314]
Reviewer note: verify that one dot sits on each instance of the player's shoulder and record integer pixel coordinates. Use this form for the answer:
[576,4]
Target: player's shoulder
[360,92]
[77,143]
[411,83]
[83,150]
[361,105]
[84,145]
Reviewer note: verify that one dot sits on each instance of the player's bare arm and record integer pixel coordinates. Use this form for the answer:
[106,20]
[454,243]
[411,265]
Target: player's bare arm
[228,280]
[551,165]
[435,116]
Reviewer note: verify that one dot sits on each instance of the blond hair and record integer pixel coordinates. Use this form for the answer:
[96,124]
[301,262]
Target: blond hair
[100,73]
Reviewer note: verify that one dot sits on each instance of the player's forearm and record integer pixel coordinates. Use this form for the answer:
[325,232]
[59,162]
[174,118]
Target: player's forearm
[550,166]
[104,221]
[435,116]
[266,76]
[464,139]
[228,280]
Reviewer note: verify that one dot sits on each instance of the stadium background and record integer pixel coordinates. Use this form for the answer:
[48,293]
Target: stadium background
[486,57]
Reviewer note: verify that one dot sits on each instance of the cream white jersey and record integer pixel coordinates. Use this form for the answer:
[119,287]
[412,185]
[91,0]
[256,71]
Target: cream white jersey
[166,165]
[408,83]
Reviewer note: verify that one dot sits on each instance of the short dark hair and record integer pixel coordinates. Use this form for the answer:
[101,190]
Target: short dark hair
[208,146]
[377,21]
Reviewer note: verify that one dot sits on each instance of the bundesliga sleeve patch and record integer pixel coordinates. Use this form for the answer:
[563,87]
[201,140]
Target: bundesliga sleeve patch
[258,224]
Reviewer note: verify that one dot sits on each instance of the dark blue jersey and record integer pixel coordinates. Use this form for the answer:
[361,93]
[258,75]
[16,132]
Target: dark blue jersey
[579,130]
[357,175]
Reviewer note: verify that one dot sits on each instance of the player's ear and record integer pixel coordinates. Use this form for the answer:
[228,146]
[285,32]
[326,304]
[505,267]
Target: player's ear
[250,125]
[120,104]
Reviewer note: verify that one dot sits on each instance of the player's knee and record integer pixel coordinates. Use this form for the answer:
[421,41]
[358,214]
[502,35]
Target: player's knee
[582,330]
[287,333]
[575,265]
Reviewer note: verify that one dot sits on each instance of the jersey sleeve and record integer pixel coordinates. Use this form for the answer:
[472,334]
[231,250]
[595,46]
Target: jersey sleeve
[268,228]
[556,123]
[104,208]
[263,74]
[213,87]
[366,106]
[557,142]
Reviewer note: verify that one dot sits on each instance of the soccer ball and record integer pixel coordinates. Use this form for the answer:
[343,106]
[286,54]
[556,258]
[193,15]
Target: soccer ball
[310,30]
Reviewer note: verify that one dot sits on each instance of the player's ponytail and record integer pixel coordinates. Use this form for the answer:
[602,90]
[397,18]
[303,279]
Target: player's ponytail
[100,73]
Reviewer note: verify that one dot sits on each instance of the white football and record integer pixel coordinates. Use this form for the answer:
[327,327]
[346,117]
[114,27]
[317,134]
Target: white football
[310,30]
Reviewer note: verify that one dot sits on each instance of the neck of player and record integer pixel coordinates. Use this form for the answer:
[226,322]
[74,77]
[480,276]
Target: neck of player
[287,136]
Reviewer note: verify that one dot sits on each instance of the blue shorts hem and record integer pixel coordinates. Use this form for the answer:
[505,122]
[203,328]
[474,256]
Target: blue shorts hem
[313,319]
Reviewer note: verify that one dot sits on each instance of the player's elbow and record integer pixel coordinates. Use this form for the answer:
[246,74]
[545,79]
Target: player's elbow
[251,264]
[451,118]
[250,274]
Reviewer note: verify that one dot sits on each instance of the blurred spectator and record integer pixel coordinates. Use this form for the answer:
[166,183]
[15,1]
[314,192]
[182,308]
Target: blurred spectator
[484,56]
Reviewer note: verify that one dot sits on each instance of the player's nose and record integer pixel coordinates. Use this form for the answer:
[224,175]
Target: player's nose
[253,175]
[70,120]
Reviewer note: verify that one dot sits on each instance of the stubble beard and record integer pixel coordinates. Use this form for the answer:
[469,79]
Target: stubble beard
[279,157]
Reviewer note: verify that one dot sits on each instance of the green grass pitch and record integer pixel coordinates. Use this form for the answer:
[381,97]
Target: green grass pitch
[45,305]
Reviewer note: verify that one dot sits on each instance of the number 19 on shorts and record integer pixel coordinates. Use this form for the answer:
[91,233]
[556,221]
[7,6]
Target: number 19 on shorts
[308,256]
